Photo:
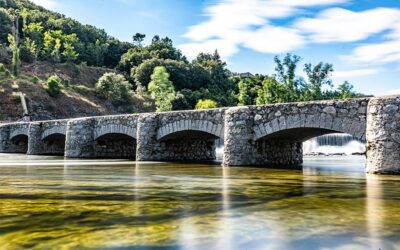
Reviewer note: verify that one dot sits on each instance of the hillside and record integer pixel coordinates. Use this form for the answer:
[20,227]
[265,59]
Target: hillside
[78,97]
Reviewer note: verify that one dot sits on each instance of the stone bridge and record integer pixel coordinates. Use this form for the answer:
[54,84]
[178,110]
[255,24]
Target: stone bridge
[268,135]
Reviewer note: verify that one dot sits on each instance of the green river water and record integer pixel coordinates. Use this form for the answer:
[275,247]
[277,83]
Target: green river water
[52,203]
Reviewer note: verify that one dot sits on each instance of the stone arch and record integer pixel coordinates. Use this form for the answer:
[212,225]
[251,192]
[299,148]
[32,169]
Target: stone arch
[310,126]
[190,125]
[114,129]
[189,140]
[54,143]
[17,132]
[62,130]
[115,146]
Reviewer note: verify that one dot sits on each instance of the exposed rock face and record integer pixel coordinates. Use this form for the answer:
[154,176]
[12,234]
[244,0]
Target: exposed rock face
[383,135]
[269,135]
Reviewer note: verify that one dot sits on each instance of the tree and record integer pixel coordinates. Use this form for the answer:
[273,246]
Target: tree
[346,90]
[53,86]
[115,87]
[272,92]
[286,74]
[161,89]
[206,104]
[138,39]
[95,53]
[221,88]
[243,96]
[318,76]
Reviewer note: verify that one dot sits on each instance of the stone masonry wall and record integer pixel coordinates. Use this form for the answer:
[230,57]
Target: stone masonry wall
[155,130]
[383,135]
[279,153]
[14,138]
[47,137]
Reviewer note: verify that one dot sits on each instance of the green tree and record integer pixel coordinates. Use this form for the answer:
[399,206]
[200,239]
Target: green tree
[138,38]
[115,87]
[286,74]
[161,89]
[206,104]
[53,86]
[220,86]
[243,96]
[318,76]
[346,90]
[272,92]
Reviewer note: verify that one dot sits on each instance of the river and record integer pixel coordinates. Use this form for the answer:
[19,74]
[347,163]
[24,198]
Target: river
[52,203]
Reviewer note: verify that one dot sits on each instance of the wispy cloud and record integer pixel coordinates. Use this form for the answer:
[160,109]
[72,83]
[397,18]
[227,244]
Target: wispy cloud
[232,23]
[341,25]
[49,4]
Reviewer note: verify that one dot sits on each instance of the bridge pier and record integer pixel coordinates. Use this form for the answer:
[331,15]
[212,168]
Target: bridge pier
[383,135]
[238,141]
[80,139]
[5,138]
[35,144]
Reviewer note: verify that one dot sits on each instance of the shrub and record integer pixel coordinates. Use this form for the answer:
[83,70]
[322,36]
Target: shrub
[2,68]
[206,104]
[53,86]
[115,87]
[35,79]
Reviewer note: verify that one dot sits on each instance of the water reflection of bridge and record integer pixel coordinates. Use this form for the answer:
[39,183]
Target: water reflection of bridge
[255,135]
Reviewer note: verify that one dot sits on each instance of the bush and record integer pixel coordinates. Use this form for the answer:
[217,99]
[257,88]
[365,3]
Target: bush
[206,104]
[115,87]
[35,79]
[53,86]
[2,68]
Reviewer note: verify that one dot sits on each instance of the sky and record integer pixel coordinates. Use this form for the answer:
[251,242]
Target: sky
[361,38]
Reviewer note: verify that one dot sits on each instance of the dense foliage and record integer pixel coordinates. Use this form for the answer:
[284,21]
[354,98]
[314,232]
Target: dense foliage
[114,87]
[53,86]
[47,35]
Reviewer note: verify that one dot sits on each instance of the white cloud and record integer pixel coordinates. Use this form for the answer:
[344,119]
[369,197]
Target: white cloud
[341,25]
[49,4]
[232,23]
[384,52]
[270,39]
[345,74]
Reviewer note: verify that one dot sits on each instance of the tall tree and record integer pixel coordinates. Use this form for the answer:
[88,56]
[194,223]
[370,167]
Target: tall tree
[162,89]
[318,76]
[13,40]
[138,39]
[286,74]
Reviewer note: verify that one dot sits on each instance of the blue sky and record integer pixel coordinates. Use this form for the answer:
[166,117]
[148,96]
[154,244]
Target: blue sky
[360,37]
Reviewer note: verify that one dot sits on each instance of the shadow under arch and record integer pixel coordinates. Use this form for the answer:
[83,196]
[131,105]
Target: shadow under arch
[188,145]
[19,144]
[54,144]
[115,146]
